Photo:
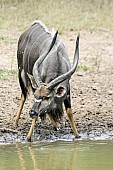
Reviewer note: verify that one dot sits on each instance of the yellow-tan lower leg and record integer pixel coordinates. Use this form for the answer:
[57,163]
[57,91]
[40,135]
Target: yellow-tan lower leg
[22,101]
[31,130]
[70,115]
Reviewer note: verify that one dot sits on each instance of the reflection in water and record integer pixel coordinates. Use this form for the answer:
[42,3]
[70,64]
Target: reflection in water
[23,162]
[20,156]
[33,158]
[79,155]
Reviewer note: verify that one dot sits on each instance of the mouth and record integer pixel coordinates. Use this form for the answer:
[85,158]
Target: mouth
[42,112]
[32,114]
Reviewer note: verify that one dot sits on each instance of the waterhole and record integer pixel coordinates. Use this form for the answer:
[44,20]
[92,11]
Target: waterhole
[58,155]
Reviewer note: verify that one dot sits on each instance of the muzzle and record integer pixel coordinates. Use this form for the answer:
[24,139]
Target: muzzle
[41,111]
[32,112]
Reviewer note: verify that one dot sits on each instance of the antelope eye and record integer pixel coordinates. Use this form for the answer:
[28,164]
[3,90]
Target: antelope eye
[38,99]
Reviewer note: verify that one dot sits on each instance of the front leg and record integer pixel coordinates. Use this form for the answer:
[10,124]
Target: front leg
[67,104]
[31,130]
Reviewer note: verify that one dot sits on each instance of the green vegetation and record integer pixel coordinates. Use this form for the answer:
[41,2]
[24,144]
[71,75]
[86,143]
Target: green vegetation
[7,40]
[81,67]
[64,15]
[4,74]
[96,60]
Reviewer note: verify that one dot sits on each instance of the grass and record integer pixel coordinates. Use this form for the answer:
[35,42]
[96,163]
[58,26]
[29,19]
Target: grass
[64,15]
[4,74]
[8,40]
[96,60]
[81,67]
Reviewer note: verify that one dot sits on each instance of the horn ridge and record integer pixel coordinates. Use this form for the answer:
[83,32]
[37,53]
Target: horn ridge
[40,60]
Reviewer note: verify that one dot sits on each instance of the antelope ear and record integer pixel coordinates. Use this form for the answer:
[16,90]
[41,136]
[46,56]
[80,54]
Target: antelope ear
[60,91]
[32,81]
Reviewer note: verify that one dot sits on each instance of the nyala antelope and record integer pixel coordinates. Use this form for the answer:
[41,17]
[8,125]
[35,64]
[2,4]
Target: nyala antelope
[43,65]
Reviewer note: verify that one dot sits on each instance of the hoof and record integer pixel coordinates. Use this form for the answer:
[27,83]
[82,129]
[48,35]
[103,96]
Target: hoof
[28,139]
[77,136]
[56,128]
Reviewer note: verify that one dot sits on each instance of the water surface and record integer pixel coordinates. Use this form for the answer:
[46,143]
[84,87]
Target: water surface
[59,155]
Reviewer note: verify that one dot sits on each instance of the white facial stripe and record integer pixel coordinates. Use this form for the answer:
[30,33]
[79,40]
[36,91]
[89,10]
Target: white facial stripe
[38,100]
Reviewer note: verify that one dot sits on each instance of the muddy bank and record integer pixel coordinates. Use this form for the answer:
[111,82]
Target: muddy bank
[91,92]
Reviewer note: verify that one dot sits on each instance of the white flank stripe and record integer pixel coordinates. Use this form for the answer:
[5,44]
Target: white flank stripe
[23,77]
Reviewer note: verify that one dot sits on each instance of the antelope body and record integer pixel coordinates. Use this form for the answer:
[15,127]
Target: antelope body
[43,65]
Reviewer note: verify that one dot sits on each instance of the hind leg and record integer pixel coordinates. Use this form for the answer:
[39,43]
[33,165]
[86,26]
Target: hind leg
[22,101]
[55,125]
[67,104]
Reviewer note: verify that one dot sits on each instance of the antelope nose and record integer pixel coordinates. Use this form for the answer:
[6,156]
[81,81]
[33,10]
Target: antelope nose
[32,113]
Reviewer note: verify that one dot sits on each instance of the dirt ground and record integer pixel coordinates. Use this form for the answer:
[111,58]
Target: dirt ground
[91,90]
